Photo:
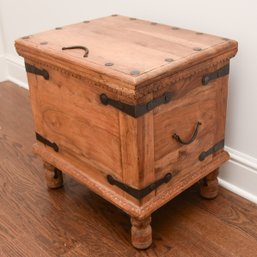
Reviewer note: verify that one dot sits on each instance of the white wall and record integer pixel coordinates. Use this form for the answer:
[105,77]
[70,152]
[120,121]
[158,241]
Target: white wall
[235,19]
[3,68]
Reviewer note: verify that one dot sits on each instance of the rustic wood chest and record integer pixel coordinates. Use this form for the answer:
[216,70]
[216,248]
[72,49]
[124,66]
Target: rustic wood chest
[132,109]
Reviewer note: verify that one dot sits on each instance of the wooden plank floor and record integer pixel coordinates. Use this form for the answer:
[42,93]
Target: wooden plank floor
[72,221]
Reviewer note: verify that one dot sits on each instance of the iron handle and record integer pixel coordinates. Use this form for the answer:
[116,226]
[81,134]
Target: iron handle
[191,140]
[77,47]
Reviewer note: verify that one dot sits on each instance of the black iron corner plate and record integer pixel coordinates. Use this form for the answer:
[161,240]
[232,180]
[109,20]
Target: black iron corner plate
[212,150]
[33,69]
[47,142]
[136,110]
[139,193]
[215,75]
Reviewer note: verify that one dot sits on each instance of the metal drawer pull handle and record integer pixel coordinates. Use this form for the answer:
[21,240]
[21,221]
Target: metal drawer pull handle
[77,47]
[183,142]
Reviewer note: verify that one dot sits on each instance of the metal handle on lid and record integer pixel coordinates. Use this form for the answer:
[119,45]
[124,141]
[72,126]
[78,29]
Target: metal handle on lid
[78,47]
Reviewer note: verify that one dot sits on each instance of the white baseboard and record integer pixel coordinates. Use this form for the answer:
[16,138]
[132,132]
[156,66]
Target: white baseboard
[238,175]
[237,190]
[3,68]
[16,70]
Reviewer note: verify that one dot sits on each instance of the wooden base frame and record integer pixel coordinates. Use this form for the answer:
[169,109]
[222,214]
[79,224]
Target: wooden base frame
[140,212]
[141,231]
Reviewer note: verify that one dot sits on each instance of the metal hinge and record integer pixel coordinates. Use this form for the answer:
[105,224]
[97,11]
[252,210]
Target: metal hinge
[216,74]
[136,110]
[212,150]
[33,69]
[139,193]
[47,142]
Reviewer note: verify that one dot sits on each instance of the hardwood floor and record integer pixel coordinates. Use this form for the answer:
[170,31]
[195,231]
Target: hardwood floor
[73,221]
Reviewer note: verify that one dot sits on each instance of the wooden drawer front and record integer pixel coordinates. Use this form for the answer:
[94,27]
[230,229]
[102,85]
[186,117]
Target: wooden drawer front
[180,117]
[67,111]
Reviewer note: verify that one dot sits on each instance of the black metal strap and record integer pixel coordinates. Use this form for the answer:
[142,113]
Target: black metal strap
[136,110]
[216,74]
[139,193]
[212,150]
[47,142]
[33,69]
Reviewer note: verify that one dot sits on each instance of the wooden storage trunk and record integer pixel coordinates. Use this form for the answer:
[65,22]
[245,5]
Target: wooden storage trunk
[132,109]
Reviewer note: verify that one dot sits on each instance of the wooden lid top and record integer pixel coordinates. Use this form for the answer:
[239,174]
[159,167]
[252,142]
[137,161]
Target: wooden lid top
[128,49]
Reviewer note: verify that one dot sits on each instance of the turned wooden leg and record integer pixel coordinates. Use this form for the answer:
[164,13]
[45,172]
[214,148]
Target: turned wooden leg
[209,187]
[141,233]
[53,176]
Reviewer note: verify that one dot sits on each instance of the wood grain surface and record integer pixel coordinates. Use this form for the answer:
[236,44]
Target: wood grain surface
[96,140]
[73,221]
[131,51]
[69,114]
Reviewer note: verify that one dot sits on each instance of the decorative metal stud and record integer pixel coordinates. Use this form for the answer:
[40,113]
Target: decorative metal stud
[175,28]
[44,43]
[109,64]
[225,39]
[197,49]
[26,37]
[86,21]
[168,60]
[58,28]
[132,19]
[198,33]
[114,15]
[135,72]
[206,79]
[154,23]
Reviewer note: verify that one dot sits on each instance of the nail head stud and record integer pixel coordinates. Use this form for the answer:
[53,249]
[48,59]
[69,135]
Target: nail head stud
[58,28]
[206,80]
[26,37]
[44,43]
[104,99]
[168,60]
[86,21]
[109,64]
[135,72]
[175,28]
[197,49]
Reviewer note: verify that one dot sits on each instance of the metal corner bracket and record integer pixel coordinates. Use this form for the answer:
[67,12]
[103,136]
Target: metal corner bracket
[33,69]
[139,193]
[136,110]
[45,141]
